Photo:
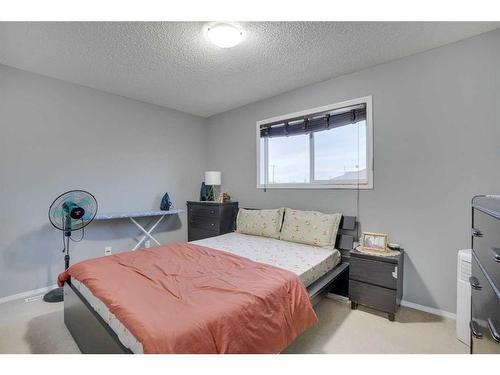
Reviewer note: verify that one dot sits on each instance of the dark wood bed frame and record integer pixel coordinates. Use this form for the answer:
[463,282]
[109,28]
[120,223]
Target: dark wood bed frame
[94,336]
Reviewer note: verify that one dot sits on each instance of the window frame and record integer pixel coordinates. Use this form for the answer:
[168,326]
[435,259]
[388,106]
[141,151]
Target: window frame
[319,184]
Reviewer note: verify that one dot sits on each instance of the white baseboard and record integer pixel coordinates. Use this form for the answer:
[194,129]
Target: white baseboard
[428,309]
[412,305]
[27,294]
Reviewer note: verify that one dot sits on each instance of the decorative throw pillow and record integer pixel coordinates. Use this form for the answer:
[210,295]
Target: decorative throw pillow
[310,227]
[266,223]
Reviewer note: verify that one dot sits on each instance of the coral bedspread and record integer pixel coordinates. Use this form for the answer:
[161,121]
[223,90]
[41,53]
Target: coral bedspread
[185,298]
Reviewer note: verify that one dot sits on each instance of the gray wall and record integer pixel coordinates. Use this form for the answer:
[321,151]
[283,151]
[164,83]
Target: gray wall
[436,142]
[56,136]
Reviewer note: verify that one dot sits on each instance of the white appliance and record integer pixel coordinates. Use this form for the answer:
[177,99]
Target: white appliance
[463,296]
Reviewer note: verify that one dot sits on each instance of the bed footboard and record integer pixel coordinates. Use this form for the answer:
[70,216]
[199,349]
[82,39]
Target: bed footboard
[90,332]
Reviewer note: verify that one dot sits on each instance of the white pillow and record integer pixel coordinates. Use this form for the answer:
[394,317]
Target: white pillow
[266,223]
[310,227]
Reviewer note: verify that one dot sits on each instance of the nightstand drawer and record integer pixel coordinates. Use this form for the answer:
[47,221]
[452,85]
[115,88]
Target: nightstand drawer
[205,223]
[373,296]
[204,210]
[373,272]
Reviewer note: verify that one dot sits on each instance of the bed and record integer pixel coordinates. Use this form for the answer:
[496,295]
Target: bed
[96,330]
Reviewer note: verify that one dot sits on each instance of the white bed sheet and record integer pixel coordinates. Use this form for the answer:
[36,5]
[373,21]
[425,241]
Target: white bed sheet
[307,262]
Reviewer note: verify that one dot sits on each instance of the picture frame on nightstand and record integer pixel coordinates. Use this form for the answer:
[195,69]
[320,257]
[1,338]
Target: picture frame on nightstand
[374,241]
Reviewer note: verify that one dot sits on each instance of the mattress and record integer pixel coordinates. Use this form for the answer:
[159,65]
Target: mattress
[309,263]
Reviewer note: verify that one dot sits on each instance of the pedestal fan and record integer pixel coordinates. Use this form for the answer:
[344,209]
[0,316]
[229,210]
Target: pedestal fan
[71,211]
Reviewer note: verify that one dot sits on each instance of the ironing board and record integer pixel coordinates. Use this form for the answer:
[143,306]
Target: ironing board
[137,214]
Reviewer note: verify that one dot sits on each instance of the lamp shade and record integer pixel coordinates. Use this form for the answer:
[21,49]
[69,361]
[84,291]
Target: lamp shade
[212,178]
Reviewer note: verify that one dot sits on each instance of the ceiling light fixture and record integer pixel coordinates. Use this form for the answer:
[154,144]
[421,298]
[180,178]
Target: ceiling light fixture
[224,35]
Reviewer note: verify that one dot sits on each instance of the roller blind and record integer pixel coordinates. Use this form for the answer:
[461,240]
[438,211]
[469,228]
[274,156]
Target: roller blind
[314,122]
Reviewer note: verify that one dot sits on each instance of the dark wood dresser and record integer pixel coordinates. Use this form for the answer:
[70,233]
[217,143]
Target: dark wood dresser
[376,281]
[209,219]
[485,277]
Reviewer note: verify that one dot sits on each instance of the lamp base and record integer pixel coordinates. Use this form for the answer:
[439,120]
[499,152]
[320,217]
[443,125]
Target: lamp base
[213,193]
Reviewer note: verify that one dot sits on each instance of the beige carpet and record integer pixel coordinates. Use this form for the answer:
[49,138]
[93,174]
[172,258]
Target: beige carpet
[344,331]
[38,327]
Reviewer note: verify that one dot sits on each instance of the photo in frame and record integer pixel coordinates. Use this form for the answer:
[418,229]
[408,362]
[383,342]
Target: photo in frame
[374,241]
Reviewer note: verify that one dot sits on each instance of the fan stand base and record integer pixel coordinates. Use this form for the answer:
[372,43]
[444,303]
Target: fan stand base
[55,295]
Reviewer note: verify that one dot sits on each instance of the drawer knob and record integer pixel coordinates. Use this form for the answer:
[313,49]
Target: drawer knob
[492,326]
[474,283]
[476,233]
[496,253]
[474,330]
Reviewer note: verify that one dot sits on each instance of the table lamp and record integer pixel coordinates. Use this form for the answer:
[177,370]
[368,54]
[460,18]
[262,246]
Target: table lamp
[213,182]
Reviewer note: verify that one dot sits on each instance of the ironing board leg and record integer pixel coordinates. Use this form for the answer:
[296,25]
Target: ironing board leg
[147,233]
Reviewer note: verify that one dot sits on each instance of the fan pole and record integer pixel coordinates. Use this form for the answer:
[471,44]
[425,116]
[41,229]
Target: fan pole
[66,250]
[67,235]
[57,295]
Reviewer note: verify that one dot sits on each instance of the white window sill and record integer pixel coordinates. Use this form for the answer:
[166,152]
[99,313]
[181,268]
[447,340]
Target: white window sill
[317,187]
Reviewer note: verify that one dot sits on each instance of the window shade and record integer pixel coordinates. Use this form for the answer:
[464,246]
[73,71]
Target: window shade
[314,122]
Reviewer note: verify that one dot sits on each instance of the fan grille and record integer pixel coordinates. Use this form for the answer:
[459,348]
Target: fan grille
[60,210]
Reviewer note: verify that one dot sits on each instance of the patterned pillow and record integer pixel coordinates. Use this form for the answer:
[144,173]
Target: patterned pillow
[310,227]
[266,223]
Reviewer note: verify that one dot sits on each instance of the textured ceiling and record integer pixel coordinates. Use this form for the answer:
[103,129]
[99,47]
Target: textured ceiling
[173,65]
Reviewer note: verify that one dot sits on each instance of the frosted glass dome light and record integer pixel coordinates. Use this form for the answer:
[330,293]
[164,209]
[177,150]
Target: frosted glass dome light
[224,35]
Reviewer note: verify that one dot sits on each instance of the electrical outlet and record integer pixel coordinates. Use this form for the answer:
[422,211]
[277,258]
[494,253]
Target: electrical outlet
[107,250]
[147,244]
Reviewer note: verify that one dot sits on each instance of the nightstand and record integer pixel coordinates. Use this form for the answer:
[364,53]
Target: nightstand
[209,219]
[376,281]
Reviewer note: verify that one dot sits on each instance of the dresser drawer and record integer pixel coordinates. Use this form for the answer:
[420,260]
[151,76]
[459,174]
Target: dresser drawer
[205,223]
[485,312]
[210,219]
[195,234]
[373,272]
[373,296]
[204,210]
[486,244]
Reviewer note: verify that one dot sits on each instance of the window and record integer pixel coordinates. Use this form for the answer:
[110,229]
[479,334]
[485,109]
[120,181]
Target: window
[328,147]
[288,159]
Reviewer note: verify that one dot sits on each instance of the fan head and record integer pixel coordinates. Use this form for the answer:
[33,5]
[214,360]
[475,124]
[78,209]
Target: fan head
[73,210]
